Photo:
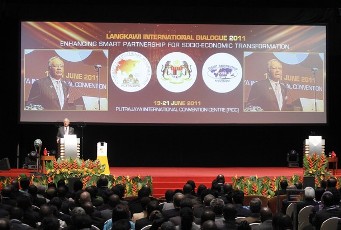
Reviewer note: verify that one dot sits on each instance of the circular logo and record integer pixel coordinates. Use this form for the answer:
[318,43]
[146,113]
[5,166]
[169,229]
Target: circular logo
[131,71]
[222,72]
[176,72]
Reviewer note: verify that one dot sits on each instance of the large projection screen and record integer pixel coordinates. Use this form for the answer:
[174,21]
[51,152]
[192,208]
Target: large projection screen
[173,73]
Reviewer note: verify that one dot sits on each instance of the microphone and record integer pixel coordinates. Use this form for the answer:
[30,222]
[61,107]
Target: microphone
[314,69]
[98,66]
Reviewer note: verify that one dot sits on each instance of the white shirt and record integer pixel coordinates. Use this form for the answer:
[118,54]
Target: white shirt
[59,90]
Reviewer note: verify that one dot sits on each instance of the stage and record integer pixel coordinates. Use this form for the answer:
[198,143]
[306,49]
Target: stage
[175,177]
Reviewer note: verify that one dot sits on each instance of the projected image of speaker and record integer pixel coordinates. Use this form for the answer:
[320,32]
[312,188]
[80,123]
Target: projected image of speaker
[4,164]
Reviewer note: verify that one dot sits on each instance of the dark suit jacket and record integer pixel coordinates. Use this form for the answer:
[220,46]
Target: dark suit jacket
[43,93]
[61,132]
[263,95]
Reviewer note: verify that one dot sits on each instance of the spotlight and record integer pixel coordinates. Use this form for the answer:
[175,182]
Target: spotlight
[292,159]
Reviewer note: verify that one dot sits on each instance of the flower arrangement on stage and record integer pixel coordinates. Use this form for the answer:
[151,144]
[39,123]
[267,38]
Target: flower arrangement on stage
[316,165]
[88,171]
[264,186]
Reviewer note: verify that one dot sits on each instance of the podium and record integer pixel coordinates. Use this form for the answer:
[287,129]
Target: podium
[315,144]
[69,147]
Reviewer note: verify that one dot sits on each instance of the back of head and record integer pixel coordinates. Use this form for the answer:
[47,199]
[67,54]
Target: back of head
[327,199]
[121,211]
[45,211]
[169,195]
[281,221]
[309,193]
[50,223]
[208,198]
[229,211]
[102,181]
[114,200]
[255,205]
[200,189]
[82,221]
[207,214]
[16,213]
[177,199]
[187,189]
[192,183]
[220,179]
[144,202]
[265,214]
[186,202]
[77,211]
[168,225]
[209,225]
[152,205]
[187,217]
[144,191]
[122,224]
[217,206]
[24,183]
[238,197]
[5,224]
[331,182]
[283,184]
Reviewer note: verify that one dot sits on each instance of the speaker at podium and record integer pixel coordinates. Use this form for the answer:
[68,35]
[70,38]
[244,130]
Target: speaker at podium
[91,103]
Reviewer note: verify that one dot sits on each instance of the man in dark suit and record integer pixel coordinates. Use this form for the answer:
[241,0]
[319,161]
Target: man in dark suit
[66,129]
[51,92]
[269,94]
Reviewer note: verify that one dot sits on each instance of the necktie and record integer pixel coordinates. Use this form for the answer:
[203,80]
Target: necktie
[278,95]
[59,90]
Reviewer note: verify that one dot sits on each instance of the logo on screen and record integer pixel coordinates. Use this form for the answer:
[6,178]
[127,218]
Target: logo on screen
[176,72]
[222,72]
[131,71]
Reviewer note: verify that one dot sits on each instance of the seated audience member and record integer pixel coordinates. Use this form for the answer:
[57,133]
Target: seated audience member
[286,202]
[209,225]
[122,224]
[238,201]
[329,210]
[192,183]
[50,223]
[135,204]
[167,225]
[5,224]
[265,218]
[283,184]
[144,202]
[177,198]
[217,205]
[331,186]
[168,204]
[207,214]
[281,221]
[309,199]
[121,211]
[151,206]
[187,220]
[255,207]
[230,214]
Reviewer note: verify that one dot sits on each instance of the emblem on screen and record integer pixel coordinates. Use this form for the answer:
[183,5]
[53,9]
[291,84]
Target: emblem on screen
[176,72]
[131,71]
[222,72]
